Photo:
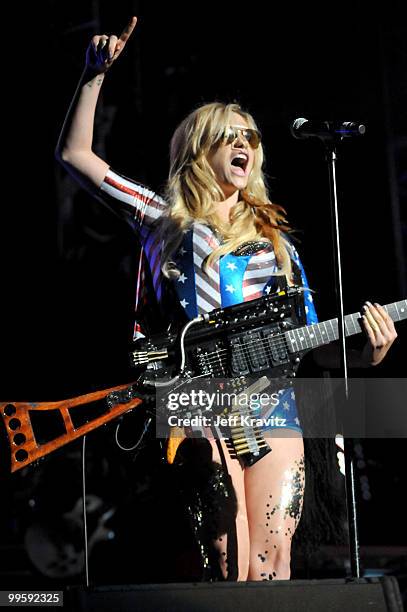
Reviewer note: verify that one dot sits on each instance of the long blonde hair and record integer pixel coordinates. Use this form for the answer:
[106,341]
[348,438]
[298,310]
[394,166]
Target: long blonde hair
[192,191]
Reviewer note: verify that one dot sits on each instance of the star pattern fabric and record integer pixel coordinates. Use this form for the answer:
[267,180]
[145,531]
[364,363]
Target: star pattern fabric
[201,288]
[231,273]
[285,413]
[185,284]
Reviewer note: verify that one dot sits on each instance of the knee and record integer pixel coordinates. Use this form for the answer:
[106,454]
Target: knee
[281,566]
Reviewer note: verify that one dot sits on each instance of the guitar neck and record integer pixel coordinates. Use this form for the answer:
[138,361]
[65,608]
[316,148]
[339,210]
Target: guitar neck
[312,336]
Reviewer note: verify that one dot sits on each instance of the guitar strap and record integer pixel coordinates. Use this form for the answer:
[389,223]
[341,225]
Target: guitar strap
[297,279]
[152,317]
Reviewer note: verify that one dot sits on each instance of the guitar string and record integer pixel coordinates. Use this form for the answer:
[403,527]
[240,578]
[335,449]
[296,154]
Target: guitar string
[275,341]
[252,434]
[250,346]
[216,356]
[213,357]
[279,343]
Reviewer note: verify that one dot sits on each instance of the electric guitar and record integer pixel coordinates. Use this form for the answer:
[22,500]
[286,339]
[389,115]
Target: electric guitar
[238,341]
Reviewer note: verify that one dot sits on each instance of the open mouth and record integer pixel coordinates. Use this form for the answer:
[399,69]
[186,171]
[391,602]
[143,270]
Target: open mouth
[239,163]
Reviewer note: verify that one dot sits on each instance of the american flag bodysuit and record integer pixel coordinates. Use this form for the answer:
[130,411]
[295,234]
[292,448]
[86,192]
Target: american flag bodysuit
[232,279]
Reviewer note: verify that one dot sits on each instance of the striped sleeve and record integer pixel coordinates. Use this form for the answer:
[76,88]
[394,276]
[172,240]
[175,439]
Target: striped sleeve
[145,205]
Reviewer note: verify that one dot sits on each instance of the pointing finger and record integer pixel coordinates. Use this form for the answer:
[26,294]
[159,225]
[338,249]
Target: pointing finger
[128,30]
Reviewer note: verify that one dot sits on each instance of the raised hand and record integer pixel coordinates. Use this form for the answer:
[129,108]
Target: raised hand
[104,50]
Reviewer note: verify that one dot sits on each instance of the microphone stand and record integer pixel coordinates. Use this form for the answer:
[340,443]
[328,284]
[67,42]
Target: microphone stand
[331,157]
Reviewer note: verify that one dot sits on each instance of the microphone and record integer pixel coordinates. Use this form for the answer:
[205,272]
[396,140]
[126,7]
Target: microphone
[326,130]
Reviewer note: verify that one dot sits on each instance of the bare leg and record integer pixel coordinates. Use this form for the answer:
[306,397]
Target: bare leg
[274,488]
[242,529]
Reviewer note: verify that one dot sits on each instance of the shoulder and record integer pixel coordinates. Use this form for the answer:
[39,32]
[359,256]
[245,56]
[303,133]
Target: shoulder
[291,249]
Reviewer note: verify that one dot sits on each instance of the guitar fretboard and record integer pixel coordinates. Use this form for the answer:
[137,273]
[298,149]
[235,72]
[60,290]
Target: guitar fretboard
[311,336]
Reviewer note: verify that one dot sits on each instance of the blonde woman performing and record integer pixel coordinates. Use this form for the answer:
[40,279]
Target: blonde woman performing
[220,241]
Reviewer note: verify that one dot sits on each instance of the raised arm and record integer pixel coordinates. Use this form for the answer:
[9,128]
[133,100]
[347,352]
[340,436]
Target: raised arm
[74,148]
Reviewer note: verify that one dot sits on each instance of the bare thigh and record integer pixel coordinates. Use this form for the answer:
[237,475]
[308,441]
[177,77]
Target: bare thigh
[274,488]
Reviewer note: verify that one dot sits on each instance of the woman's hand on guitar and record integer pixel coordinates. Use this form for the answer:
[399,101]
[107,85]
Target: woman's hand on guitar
[380,331]
[104,50]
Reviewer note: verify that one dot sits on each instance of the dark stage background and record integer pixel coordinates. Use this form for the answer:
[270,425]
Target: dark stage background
[69,263]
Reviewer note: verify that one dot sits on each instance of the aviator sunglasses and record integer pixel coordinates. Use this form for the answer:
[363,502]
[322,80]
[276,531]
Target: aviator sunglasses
[253,137]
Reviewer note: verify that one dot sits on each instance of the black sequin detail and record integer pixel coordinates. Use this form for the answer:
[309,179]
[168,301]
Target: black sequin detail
[249,248]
